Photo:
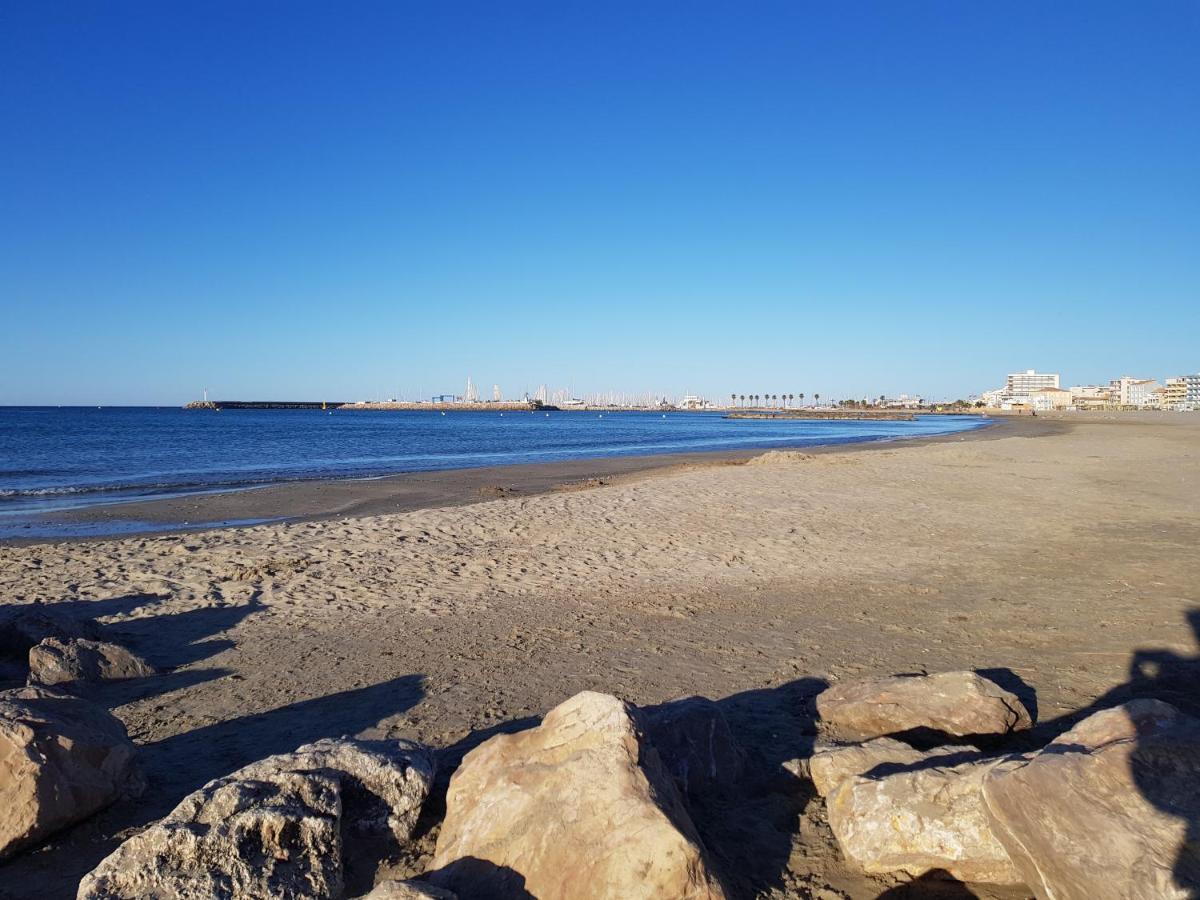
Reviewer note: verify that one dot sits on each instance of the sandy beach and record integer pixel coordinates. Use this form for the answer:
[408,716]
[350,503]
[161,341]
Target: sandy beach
[1055,549]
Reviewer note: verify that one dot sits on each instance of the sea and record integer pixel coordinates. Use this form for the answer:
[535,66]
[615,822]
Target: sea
[61,458]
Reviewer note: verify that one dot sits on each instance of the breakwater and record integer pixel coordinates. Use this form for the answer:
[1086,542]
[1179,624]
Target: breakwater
[884,415]
[264,404]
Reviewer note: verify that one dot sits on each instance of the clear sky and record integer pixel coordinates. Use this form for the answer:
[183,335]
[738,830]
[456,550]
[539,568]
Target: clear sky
[295,200]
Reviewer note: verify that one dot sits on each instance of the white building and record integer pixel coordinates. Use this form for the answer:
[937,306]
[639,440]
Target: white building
[1018,387]
[1022,384]
[1136,392]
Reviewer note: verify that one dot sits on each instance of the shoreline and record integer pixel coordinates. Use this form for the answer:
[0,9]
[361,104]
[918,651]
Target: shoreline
[1062,565]
[323,499]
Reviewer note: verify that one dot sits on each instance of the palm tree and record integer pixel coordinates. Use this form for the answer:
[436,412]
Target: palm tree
[791,397]
[801,399]
[817,399]
[775,397]
[743,399]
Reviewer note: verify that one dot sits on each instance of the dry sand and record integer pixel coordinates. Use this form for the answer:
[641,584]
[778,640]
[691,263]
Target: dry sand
[1054,550]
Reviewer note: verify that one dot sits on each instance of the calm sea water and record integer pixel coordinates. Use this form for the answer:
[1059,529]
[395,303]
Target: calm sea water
[63,458]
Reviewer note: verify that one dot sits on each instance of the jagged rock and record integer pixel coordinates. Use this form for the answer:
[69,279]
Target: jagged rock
[832,763]
[694,742]
[578,807]
[409,890]
[1108,810]
[58,661]
[24,627]
[929,815]
[278,828]
[61,759]
[958,704]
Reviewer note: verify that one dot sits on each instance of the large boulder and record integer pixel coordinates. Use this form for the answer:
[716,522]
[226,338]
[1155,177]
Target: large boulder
[58,661]
[954,704]
[833,763]
[1110,809]
[695,744]
[929,815]
[278,828]
[579,807]
[61,759]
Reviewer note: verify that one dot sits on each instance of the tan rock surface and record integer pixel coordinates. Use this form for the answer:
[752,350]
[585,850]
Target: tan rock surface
[926,817]
[1109,810]
[61,759]
[579,807]
[959,704]
[275,830]
[833,763]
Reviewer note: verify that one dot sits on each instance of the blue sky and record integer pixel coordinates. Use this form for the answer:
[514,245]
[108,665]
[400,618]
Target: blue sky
[305,200]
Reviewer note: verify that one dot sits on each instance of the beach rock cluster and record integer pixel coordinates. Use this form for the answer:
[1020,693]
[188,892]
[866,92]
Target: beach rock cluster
[46,646]
[1108,809]
[601,799]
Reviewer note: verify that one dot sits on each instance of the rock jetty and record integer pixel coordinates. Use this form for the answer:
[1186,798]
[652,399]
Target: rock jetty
[603,799]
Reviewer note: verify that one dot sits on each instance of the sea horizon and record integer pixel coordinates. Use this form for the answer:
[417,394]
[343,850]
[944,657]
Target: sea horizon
[83,456]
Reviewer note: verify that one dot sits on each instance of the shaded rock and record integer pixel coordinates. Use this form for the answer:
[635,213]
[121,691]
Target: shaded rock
[579,807]
[928,816]
[1110,809]
[832,763]
[61,759]
[695,744]
[58,661]
[956,704]
[278,828]
[409,890]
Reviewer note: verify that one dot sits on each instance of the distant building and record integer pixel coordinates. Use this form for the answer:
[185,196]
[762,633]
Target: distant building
[1133,392]
[1090,396]
[904,401]
[1049,399]
[1018,387]
[1193,390]
[1022,384]
[1174,393]
[691,401]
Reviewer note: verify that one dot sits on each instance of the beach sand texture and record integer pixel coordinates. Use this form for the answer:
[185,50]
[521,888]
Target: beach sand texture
[1054,552]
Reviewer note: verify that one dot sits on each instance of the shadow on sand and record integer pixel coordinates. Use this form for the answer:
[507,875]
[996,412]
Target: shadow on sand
[169,641]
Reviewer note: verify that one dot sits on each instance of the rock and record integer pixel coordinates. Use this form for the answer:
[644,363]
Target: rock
[278,828]
[956,704]
[929,815]
[58,661]
[61,759]
[24,627]
[409,890]
[579,807]
[831,764]
[695,744]
[1108,810]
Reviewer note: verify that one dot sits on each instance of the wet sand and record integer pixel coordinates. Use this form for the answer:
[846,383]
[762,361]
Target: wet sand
[1062,551]
[353,498]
